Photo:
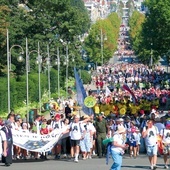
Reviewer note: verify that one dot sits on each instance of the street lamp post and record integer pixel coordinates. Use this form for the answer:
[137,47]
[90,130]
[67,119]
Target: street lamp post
[58,65]
[102,39]
[27,85]
[48,68]
[67,65]
[67,60]
[9,67]
[151,62]
[39,62]
[48,62]
[39,59]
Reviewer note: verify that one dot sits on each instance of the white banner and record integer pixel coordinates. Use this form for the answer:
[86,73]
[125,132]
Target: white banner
[35,142]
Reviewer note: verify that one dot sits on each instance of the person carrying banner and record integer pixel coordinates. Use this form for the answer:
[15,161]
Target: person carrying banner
[6,137]
[58,125]
[36,129]
[77,133]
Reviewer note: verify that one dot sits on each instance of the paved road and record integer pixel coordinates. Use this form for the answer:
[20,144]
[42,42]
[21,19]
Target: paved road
[139,163]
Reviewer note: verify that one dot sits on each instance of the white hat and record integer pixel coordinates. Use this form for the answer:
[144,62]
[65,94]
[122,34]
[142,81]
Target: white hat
[119,120]
[121,129]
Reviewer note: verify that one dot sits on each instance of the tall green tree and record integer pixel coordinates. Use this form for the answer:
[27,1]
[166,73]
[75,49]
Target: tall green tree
[44,21]
[103,35]
[155,35]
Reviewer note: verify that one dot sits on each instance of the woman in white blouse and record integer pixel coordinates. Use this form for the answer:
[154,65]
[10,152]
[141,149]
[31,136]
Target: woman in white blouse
[118,147]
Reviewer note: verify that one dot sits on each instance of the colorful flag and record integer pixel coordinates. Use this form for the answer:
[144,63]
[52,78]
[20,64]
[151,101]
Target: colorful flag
[81,94]
[126,87]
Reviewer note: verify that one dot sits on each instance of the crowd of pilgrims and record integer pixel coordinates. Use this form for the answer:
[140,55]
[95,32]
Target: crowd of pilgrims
[111,111]
[149,86]
[89,130]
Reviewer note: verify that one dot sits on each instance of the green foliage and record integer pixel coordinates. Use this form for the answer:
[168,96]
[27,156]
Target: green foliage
[85,76]
[40,21]
[155,34]
[102,29]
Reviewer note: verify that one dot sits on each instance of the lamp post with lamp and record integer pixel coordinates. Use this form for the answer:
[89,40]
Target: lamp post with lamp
[39,62]
[67,65]
[9,49]
[103,38]
[151,61]
[57,62]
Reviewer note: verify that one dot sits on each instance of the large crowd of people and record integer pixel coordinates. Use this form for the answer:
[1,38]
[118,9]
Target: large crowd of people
[139,126]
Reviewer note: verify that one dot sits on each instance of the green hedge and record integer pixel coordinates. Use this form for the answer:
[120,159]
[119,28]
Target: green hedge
[18,89]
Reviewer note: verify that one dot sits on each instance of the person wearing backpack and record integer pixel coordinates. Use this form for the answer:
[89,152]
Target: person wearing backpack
[118,147]
[165,134]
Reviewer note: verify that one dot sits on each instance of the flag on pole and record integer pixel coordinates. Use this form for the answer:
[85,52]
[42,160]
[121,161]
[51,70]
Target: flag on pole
[108,92]
[81,94]
[126,87]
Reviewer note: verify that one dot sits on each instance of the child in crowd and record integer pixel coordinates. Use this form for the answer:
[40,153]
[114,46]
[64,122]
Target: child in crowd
[138,140]
[25,129]
[133,139]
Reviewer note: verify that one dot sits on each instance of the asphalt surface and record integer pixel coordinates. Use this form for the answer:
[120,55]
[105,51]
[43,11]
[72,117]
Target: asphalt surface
[140,163]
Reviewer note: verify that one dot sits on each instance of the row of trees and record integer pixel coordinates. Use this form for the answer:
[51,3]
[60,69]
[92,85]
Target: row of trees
[40,21]
[104,31]
[150,32]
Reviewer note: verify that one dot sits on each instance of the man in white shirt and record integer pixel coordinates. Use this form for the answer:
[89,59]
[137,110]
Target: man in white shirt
[77,132]
[165,134]
[150,133]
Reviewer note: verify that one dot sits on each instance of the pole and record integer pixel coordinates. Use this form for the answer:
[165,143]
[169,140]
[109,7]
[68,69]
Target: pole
[39,76]
[67,71]
[101,36]
[151,56]
[8,72]
[27,85]
[48,65]
[58,58]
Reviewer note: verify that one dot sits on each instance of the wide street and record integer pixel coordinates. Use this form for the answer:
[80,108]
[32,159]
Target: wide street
[139,163]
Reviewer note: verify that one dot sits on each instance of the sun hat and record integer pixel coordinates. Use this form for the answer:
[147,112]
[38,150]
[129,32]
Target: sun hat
[121,129]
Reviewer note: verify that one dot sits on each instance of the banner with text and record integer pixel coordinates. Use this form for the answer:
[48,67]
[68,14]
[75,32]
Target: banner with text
[35,142]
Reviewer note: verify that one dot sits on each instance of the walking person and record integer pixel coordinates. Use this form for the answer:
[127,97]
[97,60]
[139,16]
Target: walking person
[86,142]
[165,134]
[77,133]
[7,139]
[150,133]
[58,125]
[118,148]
